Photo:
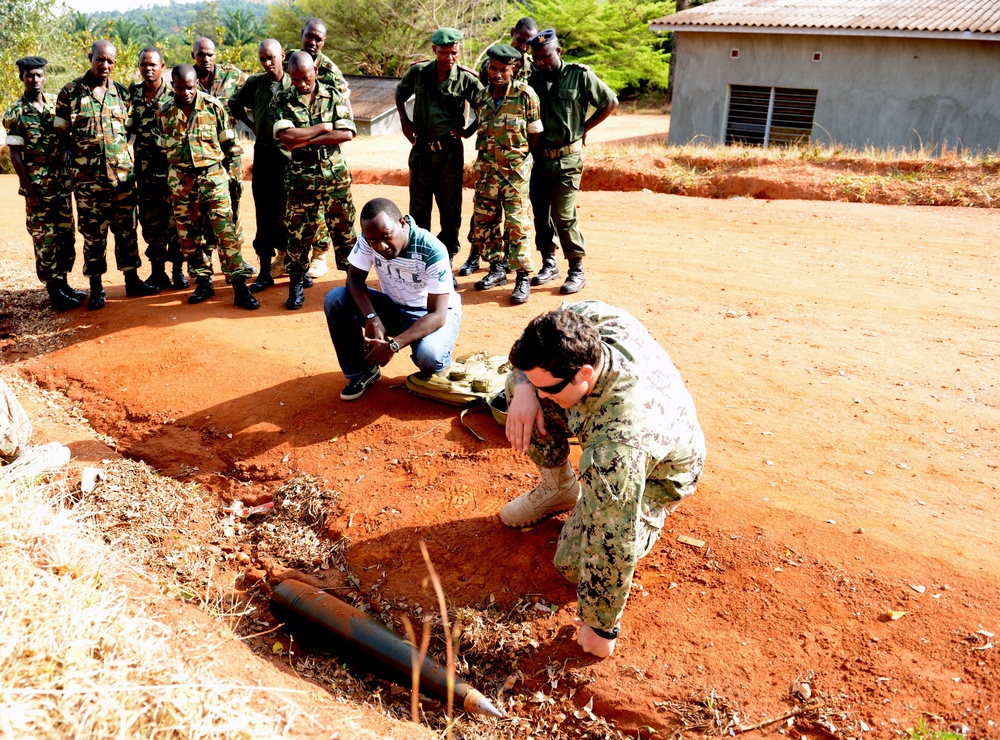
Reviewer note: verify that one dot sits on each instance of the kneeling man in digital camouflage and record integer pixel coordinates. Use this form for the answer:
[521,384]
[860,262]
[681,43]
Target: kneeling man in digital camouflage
[592,370]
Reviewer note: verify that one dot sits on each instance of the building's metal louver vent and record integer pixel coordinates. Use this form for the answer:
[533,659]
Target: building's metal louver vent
[769,115]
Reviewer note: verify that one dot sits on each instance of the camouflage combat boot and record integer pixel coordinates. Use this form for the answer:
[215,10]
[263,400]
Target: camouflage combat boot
[558,490]
[495,277]
[203,289]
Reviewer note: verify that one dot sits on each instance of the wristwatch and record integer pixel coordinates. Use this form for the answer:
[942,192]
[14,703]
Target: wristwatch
[371,316]
[394,345]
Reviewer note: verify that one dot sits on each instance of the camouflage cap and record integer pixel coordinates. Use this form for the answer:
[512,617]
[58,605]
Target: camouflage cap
[446,37]
[503,53]
[543,38]
[26,63]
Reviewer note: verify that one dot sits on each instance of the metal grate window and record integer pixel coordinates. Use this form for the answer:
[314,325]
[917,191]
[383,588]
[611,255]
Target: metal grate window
[769,115]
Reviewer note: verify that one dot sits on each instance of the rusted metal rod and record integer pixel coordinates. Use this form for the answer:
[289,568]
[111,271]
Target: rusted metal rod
[302,606]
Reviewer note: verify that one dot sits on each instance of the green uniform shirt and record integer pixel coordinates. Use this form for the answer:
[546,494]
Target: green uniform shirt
[642,450]
[504,125]
[35,132]
[438,108]
[255,96]
[292,110]
[150,162]
[195,142]
[97,139]
[564,104]
[328,73]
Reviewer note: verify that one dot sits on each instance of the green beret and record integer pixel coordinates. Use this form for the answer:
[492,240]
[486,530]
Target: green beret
[26,63]
[503,53]
[446,37]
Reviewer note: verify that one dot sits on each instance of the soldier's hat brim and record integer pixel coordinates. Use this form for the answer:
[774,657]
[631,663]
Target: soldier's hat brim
[503,53]
[446,37]
[543,38]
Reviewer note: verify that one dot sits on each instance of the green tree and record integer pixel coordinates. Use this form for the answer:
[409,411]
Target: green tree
[242,27]
[150,33]
[612,37]
[25,28]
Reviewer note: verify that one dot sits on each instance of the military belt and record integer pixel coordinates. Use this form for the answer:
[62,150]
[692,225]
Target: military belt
[437,145]
[312,154]
[199,170]
[576,146]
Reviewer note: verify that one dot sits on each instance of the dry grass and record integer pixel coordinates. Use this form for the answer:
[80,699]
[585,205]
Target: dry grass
[25,315]
[79,655]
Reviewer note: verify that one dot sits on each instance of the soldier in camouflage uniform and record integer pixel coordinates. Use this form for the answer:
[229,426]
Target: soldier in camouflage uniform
[329,74]
[195,135]
[37,156]
[91,113]
[523,30]
[566,91]
[509,124]
[593,370]
[155,214]
[310,124]
[440,89]
[252,106]
[221,81]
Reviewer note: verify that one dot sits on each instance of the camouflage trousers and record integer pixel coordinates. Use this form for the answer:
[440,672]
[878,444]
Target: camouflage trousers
[52,233]
[98,208]
[201,207]
[235,170]
[497,196]
[318,218]
[157,221]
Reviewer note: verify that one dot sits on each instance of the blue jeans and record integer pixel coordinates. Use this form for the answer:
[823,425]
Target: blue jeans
[431,354]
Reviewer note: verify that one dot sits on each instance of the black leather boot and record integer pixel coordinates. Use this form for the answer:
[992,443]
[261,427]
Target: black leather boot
[97,297]
[203,289]
[522,288]
[496,276]
[70,292]
[264,279]
[136,287]
[242,297]
[159,277]
[575,279]
[471,265]
[296,294]
[59,300]
[307,282]
[549,271]
[177,276]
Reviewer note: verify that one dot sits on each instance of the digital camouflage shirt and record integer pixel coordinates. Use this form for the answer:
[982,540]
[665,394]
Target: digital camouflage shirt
[504,126]
[642,450]
[95,131]
[565,97]
[150,162]
[198,142]
[34,131]
[292,110]
[438,107]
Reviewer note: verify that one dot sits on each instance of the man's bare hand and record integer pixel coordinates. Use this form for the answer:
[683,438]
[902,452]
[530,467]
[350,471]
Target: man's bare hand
[524,412]
[591,642]
[408,131]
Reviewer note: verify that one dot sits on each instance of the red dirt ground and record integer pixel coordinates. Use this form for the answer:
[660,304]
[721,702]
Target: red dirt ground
[843,358]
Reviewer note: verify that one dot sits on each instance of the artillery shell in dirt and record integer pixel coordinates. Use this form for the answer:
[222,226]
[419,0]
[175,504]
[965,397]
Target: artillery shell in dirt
[306,608]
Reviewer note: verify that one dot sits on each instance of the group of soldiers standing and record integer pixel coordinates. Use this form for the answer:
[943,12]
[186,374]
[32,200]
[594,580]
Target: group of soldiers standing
[185,184]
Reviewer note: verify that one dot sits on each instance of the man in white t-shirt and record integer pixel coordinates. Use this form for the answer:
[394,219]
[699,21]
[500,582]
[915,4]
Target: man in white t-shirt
[417,307]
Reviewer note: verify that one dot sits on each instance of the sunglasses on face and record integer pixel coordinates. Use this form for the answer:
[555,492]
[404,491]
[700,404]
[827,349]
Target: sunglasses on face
[555,387]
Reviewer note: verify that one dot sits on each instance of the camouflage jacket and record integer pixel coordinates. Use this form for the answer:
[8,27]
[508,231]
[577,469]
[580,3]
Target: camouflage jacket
[200,142]
[328,73]
[226,82]
[642,450]
[289,109]
[95,131]
[34,131]
[504,126]
[150,162]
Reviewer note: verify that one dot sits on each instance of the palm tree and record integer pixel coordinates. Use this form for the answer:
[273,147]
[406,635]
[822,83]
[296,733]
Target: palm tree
[242,27]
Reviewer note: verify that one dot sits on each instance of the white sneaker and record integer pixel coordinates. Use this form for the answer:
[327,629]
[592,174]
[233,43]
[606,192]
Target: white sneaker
[278,264]
[318,268]
[558,490]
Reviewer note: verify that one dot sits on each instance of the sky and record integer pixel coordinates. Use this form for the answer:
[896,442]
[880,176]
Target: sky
[104,6]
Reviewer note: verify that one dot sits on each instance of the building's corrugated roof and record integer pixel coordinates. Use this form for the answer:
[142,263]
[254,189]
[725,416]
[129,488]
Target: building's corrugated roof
[926,17]
[372,96]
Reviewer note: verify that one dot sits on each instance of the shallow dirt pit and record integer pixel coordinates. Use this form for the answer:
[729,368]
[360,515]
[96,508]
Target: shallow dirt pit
[843,359]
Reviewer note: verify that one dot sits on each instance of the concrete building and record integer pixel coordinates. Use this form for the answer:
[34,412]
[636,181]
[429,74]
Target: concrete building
[856,73]
[374,102]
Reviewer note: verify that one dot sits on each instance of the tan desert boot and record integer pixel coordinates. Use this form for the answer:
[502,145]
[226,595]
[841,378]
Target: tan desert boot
[558,490]
[278,263]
